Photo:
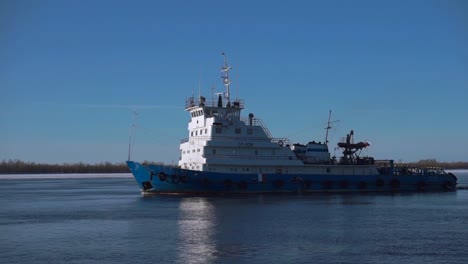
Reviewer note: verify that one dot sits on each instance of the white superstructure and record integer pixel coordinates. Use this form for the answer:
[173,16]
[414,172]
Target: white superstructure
[220,140]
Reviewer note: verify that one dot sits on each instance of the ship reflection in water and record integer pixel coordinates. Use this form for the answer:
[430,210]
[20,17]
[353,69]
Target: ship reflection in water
[196,226]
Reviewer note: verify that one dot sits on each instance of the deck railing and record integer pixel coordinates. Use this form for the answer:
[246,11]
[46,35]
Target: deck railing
[256,122]
[249,157]
[194,102]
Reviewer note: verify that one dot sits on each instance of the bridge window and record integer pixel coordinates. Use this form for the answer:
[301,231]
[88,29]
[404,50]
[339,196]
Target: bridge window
[238,130]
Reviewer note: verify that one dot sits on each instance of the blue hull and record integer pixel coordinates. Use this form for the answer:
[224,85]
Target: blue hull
[167,179]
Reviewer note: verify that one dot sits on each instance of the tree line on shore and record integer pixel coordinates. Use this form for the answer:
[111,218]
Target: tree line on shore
[434,163]
[22,167]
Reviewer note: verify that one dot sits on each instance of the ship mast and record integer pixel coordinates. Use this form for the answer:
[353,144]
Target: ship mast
[329,126]
[225,77]
[131,142]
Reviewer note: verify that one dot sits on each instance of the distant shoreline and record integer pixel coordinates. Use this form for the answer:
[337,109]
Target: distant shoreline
[458,165]
[21,167]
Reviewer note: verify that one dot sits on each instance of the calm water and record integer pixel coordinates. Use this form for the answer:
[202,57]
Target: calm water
[104,219]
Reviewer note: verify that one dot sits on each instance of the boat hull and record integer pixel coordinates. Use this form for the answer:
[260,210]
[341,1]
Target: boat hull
[160,179]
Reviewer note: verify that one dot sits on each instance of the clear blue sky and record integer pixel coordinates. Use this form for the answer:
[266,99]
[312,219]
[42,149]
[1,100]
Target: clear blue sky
[71,71]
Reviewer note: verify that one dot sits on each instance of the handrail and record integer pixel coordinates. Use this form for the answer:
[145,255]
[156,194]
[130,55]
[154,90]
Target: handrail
[232,138]
[250,157]
[285,141]
[257,122]
[194,102]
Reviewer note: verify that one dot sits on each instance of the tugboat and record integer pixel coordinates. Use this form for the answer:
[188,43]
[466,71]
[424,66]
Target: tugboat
[226,153]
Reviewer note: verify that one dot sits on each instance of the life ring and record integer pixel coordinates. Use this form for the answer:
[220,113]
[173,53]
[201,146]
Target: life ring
[175,179]
[280,143]
[162,176]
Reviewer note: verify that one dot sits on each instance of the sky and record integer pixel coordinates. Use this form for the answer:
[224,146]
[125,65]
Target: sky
[72,72]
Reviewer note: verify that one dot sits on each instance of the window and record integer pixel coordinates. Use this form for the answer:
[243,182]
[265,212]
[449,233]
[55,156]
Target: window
[214,151]
[206,131]
[238,130]
[256,152]
[196,133]
[250,131]
[191,133]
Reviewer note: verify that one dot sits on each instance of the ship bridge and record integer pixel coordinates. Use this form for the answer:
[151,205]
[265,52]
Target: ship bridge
[219,139]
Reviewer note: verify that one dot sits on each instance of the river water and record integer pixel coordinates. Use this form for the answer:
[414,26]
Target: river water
[103,218]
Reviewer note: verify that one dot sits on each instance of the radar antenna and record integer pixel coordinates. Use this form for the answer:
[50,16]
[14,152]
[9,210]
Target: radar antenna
[225,77]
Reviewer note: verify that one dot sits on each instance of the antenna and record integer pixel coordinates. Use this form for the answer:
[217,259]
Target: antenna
[225,76]
[199,88]
[236,80]
[131,142]
[199,84]
[329,126]
[212,93]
